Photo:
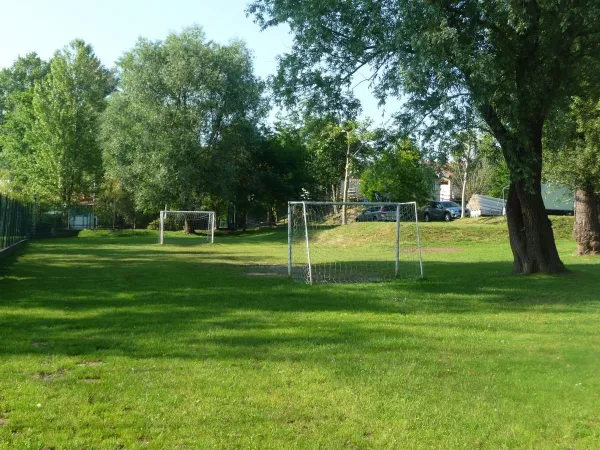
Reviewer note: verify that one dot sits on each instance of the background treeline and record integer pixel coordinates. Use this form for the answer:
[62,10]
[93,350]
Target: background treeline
[184,123]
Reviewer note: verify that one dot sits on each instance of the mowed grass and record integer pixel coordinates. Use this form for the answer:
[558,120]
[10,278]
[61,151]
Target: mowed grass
[112,341]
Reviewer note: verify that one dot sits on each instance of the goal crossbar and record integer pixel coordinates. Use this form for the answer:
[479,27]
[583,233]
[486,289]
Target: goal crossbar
[351,203]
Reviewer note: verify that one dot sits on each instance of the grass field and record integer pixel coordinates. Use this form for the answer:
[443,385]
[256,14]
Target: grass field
[112,341]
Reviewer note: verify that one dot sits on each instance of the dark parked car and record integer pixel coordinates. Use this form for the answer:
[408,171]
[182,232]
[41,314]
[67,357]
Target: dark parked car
[443,211]
[385,213]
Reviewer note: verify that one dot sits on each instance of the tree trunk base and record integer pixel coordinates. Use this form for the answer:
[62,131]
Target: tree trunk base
[187,229]
[587,224]
[530,233]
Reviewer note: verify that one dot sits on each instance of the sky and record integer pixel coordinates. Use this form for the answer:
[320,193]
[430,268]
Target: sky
[112,27]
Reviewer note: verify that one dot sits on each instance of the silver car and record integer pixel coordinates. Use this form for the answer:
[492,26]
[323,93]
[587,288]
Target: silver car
[444,211]
[380,213]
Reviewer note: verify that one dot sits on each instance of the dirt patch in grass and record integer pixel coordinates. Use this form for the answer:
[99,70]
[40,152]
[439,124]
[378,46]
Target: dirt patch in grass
[431,250]
[91,380]
[266,271]
[440,250]
[38,344]
[3,420]
[90,363]
[48,376]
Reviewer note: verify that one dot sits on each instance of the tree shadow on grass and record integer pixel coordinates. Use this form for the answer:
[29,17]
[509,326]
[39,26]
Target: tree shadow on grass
[129,302]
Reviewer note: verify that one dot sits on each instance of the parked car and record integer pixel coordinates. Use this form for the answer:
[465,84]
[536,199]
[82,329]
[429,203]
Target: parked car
[443,211]
[382,213]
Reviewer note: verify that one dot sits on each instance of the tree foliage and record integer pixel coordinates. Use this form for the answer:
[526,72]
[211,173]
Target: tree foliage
[477,166]
[51,144]
[183,103]
[328,140]
[272,170]
[400,172]
[573,145]
[16,118]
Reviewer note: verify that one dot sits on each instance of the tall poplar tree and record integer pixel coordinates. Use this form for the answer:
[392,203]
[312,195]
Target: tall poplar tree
[62,155]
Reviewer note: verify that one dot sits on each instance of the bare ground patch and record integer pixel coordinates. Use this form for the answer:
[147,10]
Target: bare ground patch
[266,271]
[91,380]
[433,250]
[3,420]
[90,363]
[48,376]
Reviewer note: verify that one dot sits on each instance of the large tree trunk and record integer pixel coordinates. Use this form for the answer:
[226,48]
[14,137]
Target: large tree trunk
[187,227]
[587,223]
[530,231]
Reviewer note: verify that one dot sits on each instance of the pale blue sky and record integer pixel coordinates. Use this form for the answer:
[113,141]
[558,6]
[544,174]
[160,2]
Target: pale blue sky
[112,27]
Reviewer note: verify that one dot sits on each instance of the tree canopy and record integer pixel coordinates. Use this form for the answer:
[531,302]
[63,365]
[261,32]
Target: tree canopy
[181,100]
[573,144]
[50,136]
[399,172]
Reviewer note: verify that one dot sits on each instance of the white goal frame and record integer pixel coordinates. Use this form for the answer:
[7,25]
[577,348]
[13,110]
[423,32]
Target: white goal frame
[304,204]
[211,223]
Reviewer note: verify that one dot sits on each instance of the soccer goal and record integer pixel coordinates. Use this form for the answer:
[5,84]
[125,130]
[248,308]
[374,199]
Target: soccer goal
[187,227]
[331,242]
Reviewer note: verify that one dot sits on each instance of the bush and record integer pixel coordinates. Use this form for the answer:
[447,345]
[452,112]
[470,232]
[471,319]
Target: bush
[154,225]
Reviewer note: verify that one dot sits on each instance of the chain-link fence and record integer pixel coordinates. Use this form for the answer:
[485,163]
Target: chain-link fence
[50,220]
[16,222]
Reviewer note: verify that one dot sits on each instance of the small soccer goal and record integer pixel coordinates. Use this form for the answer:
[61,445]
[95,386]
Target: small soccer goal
[331,242]
[186,227]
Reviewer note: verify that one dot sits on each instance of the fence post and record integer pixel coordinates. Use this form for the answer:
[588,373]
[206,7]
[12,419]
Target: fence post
[289,224]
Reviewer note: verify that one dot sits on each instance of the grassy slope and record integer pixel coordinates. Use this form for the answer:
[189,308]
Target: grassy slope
[125,343]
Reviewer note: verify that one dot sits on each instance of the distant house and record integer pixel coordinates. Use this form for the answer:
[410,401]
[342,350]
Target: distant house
[354,194]
[443,189]
[83,221]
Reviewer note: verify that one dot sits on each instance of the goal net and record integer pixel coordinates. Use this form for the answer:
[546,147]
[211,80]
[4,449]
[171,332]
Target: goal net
[187,227]
[331,242]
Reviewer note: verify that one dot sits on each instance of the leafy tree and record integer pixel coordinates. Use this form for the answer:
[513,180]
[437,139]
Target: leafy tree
[60,156]
[464,150]
[18,80]
[170,134]
[337,150]
[511,61]
[16,118]
[474,157]
[282,165]
[573,159]
[357,136]
[400,172]
[275,171]
[499,176]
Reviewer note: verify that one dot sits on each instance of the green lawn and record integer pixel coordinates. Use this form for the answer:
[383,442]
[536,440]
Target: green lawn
[112,341]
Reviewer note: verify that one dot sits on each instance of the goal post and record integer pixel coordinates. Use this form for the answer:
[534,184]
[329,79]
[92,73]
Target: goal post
[380,241]
[181,226]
